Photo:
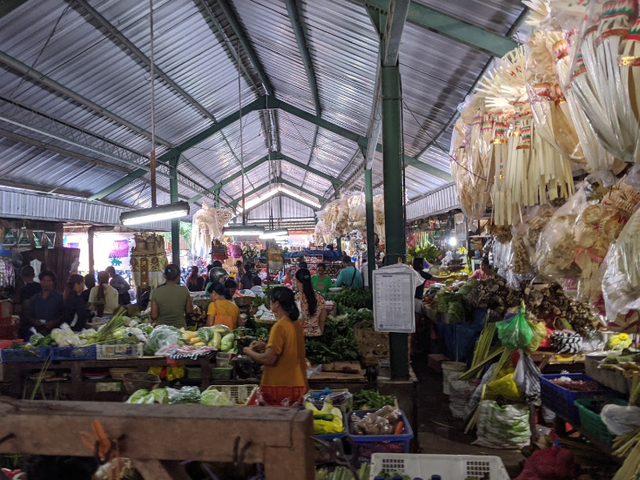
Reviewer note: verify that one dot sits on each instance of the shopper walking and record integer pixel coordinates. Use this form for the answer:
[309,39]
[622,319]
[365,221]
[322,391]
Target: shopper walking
[283,356]
[349,276]
[171,302]
[311,303]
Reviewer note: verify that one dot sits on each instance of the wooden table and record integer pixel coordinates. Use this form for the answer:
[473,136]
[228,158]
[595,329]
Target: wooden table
[551,362]
[15,382]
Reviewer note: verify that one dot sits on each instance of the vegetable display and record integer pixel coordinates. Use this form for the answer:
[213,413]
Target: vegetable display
[385,421]
[327,420]
[338,343]
[371,400]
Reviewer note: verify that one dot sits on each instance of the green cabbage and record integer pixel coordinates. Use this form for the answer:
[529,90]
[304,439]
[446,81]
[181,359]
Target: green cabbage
[138,396]
[205,334]
[160,395]
[215,398]
[228,342]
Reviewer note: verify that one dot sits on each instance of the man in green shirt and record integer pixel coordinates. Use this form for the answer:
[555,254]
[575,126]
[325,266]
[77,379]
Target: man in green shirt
[321,281]
[349,276]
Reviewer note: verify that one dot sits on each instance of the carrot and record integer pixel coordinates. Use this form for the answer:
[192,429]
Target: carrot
[399,428]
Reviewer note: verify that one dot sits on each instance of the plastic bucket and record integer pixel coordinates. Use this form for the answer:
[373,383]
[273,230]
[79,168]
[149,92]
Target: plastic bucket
[449,369]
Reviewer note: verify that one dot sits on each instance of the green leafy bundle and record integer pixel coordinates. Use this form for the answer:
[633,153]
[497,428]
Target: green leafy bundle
[338,343]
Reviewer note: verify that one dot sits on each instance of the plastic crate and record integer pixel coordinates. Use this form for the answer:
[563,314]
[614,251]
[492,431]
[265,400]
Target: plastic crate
[19,355]
[239,394]
[561,400]
[73,353]
[447,466]
[219,374]
[591,421]
[340,397]
[118,352]
[224,359]
[194,373]
[277,396]
[367,445]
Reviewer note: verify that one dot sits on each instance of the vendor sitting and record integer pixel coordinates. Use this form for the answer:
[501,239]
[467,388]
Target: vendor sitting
[283,356]
[485,271]
[222,310]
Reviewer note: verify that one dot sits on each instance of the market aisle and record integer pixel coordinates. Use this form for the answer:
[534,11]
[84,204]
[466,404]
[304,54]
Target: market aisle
[439,432]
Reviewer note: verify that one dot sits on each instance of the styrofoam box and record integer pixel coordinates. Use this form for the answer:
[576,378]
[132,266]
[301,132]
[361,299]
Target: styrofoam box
[449,467]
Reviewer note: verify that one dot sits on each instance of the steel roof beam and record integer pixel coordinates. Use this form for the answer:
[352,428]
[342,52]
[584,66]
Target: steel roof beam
[296,24]
[281,156]
[129,47]
[450,27]
[230,15]
[41,78]
[276,181]
[279,194]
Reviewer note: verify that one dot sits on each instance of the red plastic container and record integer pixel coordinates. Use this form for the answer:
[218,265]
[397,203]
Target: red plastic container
[277,396]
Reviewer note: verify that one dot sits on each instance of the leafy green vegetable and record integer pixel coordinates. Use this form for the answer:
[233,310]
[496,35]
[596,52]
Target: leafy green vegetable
[138,396]
[228,342]
[216,398]
[371,399]
[338,344]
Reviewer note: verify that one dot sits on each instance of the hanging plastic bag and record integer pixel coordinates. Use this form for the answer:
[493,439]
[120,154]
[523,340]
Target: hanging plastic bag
[539,330]
[505,387]
[619,419]
[527,379]
[514,331]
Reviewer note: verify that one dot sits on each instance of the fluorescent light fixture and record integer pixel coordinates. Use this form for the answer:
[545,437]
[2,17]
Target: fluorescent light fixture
[275,234]
[164,212]
[453,241]
[242,231]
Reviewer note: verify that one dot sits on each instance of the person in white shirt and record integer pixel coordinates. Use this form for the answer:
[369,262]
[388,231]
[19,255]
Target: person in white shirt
[364,271]
[103,297]
[257,287]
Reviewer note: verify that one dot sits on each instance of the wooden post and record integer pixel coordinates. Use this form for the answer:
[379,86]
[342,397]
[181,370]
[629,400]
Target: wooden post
[280,438]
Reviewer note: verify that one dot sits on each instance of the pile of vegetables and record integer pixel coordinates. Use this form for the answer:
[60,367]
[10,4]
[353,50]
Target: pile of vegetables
[338,343]
[371,400]
[218,336]
[353,298]
[494,294]
[343,473]
[184,395]
[552,304]
[327,420]
[453,304]
[428,252]
[385,421]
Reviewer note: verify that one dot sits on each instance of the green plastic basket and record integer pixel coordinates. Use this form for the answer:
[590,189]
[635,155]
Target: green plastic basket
[221,373]
[591,421]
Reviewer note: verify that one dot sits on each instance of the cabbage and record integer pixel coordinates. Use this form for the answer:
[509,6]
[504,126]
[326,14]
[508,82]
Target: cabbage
[162,336]
[65,337]
[160,395]
[138,396]
[215,398]
[228,342]
[205,334]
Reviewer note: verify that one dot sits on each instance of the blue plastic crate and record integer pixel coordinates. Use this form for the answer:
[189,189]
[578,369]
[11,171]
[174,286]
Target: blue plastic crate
[561,400]
[367,445]
[73,353]
[19,355]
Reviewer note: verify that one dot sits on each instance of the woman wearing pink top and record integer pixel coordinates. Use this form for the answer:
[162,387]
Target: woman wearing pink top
[484,271]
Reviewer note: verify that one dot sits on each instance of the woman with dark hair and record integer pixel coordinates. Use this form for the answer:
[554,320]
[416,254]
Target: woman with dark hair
[222,311]
[171,301]
[312,311]
[283,356]
[418,266]
[89,283]
[232,286]
[195,283]
[76,314]
[103,296]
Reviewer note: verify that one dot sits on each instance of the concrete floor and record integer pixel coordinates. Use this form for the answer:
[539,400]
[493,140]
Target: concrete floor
[439,432]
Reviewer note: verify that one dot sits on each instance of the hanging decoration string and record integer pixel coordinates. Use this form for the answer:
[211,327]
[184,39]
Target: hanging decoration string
[152,156]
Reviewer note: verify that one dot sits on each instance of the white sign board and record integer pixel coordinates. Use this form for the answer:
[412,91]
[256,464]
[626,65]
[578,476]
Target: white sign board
[394,290]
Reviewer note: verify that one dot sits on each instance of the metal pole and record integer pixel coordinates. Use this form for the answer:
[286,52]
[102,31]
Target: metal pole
[393,200]
[371,248]
[175,223]
[152,156]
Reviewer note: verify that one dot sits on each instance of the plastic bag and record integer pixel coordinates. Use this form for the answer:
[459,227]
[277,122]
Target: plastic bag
[566,342]
[557,247]
[502,426]
[620,419]
[504,387]
[539,330]
[621,277]
[550,463]
[460,394]
[183,395]
[515,331]
[527,379]
[161,337]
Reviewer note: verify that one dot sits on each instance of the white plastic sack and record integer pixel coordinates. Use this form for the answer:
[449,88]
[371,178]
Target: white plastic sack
[503,426]
[620,420]
[460,393]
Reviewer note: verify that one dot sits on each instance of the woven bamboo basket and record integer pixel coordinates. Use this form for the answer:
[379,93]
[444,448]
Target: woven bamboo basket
[372,345]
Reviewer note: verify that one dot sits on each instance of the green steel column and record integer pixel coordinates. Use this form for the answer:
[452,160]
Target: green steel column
[371,249]
[393,197]
[175,224]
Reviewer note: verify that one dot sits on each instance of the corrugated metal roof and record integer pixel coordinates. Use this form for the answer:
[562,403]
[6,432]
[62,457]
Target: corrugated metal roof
[198,52]
[441,200]
[281,206]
